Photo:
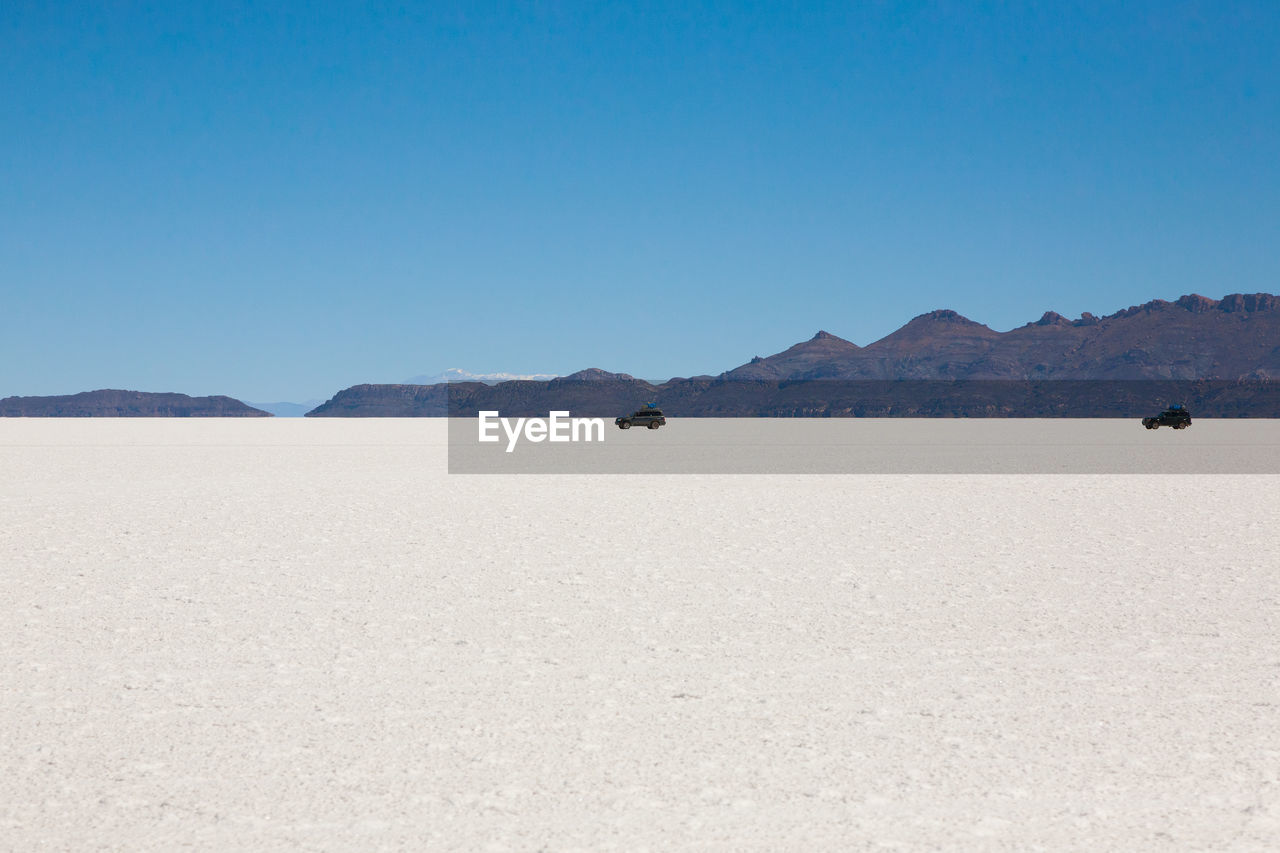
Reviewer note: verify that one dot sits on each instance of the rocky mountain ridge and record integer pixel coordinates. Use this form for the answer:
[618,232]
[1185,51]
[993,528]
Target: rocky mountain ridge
[1194,349]
[1194,337]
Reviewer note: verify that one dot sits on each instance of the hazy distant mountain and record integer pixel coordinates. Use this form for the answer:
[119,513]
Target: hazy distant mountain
[457,374]
[126,404]
[288,410]
[940,363]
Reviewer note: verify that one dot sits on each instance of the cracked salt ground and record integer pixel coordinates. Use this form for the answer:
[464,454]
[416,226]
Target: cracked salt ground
[298,634]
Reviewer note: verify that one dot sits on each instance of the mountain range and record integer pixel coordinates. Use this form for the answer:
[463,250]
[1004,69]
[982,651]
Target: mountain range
[1224,354]
[1237,337]
[940,363]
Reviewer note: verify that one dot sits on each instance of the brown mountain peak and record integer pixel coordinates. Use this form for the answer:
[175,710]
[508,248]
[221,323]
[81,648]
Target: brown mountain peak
[1052,318]
[595,374]
[943,322]
[1197,304]
[946,315]
[825,340]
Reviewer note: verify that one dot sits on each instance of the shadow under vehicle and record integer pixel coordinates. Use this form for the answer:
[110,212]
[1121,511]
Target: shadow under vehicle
[1174,416]
[646,417]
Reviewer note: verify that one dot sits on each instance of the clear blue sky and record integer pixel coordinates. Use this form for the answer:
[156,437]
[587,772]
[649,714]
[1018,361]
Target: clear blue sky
[278,200]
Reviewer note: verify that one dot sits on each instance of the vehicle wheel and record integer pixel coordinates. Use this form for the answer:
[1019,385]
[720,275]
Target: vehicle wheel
[625,425]
[654,425]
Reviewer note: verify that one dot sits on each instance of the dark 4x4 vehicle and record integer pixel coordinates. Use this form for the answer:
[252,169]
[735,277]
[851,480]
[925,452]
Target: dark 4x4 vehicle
[646,417]
[1174,416]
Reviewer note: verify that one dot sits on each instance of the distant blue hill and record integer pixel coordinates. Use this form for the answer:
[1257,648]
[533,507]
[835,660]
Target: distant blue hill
[115,403]
[457,374]
[288,410]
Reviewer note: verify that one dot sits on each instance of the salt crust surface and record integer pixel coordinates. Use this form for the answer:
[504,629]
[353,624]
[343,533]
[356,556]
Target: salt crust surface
[306,635]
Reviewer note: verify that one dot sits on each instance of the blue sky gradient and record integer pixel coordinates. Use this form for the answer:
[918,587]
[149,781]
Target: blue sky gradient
[276,201]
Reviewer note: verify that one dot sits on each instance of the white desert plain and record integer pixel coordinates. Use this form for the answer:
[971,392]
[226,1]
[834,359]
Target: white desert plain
[307,635]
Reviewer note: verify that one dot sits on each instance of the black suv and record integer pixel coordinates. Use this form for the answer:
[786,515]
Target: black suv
[648,417]
[1174,416]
